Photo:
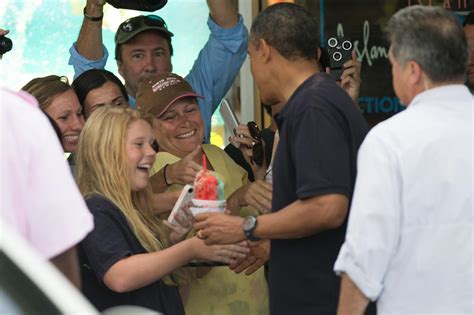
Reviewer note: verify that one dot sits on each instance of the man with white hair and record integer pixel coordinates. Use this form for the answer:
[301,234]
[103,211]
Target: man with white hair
[409,238]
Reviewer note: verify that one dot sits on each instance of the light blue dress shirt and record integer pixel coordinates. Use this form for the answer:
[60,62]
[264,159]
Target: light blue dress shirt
[212,74]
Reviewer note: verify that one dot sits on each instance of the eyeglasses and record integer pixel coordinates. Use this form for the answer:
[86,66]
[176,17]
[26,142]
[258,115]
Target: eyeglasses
[258,154]
[136,22]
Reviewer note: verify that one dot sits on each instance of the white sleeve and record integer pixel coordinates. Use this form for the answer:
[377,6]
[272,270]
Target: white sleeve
[38,196]
[374,220]
[58,217]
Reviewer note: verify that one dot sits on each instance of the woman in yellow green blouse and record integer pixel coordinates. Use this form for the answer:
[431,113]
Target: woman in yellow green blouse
[179,131]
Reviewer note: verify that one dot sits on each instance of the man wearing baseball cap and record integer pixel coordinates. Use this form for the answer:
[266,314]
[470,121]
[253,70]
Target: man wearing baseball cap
[143,48]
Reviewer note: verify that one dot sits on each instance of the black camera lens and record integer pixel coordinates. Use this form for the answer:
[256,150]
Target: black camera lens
[347,45]
[332,42]
[337,56]
[6,45]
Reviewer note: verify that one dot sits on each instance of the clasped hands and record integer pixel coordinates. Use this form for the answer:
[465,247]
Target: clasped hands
[218,228]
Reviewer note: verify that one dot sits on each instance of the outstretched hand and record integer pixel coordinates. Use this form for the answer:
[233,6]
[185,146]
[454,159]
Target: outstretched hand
[228,254]
[219,228]
[244,141]
[259,196]
[259,255]
[182,224]
[184,171]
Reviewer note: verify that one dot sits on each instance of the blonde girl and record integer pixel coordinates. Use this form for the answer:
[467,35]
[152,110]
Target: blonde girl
[127,259]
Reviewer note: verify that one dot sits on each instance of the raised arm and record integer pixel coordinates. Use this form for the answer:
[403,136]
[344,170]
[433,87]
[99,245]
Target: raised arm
[89,52]
[89,42]
[220,59]
[223,13]
[137,271]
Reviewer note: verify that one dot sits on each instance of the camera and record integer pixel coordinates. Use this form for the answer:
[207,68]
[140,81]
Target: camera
[339,51]
[6,45]
[139,5]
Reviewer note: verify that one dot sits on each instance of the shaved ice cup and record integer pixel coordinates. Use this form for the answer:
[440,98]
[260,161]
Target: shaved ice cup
[202,206]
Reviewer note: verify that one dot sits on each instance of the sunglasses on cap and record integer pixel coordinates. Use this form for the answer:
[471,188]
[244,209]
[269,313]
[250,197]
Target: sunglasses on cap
[132,26]
[258,153]
[150,20]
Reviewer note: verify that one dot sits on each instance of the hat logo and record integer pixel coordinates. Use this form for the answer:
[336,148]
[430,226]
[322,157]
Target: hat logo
[164,83]
[128,27]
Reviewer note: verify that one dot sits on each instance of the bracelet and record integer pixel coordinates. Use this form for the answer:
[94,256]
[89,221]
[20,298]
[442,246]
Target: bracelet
[164,175]
[93,18]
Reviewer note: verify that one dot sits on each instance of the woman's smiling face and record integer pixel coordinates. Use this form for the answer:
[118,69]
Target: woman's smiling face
[67,113]
[180,129]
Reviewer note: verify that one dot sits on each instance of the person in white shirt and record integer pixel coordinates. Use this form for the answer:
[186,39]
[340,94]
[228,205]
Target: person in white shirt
[38,195]
[409,242]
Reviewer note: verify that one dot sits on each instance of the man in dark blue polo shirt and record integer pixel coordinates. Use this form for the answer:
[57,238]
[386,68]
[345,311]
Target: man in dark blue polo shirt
[314,168]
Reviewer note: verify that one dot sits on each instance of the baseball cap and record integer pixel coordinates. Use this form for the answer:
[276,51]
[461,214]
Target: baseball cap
[131,27]
[157,93]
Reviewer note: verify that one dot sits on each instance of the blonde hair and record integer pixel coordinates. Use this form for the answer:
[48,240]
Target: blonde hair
[45,89]
[102,168]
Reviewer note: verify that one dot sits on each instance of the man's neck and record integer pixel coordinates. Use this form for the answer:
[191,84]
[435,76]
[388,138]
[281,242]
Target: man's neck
[292,74]
[130,91]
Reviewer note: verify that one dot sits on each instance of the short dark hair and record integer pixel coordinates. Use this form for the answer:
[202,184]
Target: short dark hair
[433,38]
[289,28]
[93,79]
[324,59]
[469,20]
[118,47]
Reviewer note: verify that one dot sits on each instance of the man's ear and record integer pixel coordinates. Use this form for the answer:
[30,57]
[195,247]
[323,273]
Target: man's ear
[120,67]
[415,72]
[318,54]
[265,50]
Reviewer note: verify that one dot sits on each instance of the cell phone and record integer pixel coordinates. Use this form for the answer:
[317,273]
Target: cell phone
[339,51]
[187,194]
[230,120]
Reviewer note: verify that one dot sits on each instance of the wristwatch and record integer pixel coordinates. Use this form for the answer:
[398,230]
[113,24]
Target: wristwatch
[249,225]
